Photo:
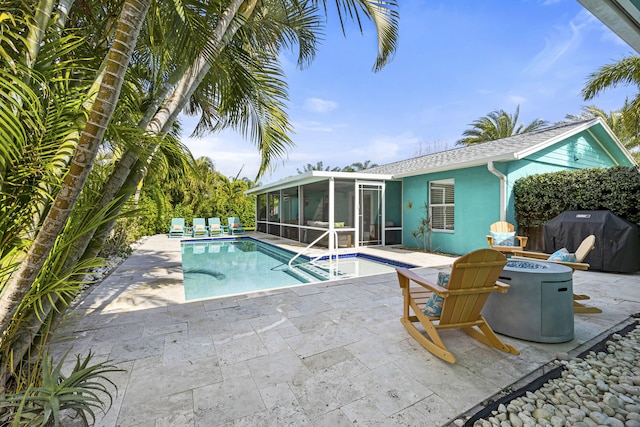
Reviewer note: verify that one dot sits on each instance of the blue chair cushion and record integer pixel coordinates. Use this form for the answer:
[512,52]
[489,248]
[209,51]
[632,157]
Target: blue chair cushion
[503,239]
[563,255]
[433,306]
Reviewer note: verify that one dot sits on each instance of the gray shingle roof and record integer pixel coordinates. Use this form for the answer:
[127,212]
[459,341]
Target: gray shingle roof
[474,155]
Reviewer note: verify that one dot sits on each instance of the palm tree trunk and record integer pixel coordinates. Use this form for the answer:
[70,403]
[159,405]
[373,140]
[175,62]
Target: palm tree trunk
[118,57]
[36,31]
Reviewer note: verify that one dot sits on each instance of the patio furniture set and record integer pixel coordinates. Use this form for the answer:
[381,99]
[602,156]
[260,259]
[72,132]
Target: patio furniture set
[528,296]
[200,228]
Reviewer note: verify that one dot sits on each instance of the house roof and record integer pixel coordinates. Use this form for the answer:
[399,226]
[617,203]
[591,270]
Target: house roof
[621,16]
[501,150]
[506,149]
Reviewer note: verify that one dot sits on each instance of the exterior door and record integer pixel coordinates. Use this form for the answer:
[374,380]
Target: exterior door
[370,214]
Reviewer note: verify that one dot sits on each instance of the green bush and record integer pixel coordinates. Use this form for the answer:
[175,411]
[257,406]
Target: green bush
[540,198]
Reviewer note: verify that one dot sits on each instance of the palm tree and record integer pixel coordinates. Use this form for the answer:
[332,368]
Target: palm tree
[357,166]
[624,72]
[497,125]
[318,167]
[117,60]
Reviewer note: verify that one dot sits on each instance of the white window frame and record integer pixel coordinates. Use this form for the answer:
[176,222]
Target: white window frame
[449,227]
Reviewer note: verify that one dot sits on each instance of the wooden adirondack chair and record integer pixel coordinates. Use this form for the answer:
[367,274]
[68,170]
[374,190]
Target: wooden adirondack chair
[581,253]
[473,277]
[503,238]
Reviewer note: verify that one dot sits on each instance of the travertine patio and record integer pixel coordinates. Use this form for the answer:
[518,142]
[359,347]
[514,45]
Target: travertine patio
[324,354]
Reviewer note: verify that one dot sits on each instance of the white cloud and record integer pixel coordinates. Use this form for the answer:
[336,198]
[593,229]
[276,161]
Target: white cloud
[567,40]
[384,149]
[319,105]
[516,99]
[312,126]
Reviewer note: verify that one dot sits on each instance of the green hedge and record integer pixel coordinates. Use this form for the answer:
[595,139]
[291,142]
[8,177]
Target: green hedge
[540,198]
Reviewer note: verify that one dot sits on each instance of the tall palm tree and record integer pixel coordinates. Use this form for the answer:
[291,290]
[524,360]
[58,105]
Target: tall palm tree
[117,60]
[497,125]
[624,72]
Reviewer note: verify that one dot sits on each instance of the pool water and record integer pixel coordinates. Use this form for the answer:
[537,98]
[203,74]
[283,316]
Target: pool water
[223,267]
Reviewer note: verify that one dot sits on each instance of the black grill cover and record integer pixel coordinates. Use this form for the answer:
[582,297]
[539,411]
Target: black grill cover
[617,247]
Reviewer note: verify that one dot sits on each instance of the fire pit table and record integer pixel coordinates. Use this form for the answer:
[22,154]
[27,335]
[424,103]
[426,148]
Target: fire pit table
[538,306]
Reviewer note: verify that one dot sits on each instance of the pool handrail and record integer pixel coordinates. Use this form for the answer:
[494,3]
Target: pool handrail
[331,250]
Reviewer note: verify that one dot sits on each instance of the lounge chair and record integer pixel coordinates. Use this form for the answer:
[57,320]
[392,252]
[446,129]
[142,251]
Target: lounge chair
[214,226]
[234,225]
[199,228]
[473,277]
[502,237]
[581,253]
[177,228]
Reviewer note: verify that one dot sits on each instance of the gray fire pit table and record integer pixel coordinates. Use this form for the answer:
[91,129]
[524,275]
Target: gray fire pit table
[538,306]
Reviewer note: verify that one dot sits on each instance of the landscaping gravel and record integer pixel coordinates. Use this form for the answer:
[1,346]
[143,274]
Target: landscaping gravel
[600,389]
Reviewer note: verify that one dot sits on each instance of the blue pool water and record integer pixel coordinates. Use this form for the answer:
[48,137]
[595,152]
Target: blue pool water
[221,267]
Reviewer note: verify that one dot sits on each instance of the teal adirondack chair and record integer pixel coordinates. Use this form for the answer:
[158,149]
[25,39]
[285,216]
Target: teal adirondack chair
[199,228]
[234,225]
[214,226]
[177,228]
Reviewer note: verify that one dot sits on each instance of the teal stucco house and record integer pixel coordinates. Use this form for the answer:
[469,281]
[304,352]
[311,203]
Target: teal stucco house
[463,190]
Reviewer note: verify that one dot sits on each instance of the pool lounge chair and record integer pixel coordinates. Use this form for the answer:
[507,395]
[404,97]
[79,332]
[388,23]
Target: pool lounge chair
[177,228]
[581,253]
[473,277]
[199,228]
[234,225]
[214,226]
[502,237]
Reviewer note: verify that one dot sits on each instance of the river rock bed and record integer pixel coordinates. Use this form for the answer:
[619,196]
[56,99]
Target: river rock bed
[600,388]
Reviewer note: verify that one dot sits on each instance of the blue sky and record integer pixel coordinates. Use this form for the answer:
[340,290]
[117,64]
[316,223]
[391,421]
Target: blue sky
[456,62]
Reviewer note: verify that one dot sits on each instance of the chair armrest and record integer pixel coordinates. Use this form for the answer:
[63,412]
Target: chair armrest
[405,276]
[490,239]
[523,240]
[530,255]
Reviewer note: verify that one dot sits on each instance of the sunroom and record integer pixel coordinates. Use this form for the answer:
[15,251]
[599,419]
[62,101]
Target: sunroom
[320,207]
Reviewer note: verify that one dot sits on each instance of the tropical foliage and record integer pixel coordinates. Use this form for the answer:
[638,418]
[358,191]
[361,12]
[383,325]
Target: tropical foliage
[625,123]
[540,198]
[90,94]
[496,125]
[353,167]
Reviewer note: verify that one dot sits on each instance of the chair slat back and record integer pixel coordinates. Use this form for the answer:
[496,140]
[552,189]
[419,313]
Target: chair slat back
[502,227]
[585,247]
[479,269]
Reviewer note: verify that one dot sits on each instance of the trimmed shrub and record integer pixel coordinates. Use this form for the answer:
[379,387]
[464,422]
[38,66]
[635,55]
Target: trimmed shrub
[540,198]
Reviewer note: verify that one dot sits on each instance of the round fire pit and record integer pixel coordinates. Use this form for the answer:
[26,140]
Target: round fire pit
[539,304]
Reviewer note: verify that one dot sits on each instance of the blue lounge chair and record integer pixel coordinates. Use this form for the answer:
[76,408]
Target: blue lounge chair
[234,225]
[214,226]
[177,228]
[199,228]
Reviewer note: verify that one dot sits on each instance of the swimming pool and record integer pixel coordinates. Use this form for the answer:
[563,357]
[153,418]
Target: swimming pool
[222,267]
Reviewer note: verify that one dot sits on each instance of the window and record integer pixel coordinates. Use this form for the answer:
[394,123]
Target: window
[441,206]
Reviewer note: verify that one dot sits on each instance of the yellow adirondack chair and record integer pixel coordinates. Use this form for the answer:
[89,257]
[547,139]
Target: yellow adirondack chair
[473,277]
[503,238]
